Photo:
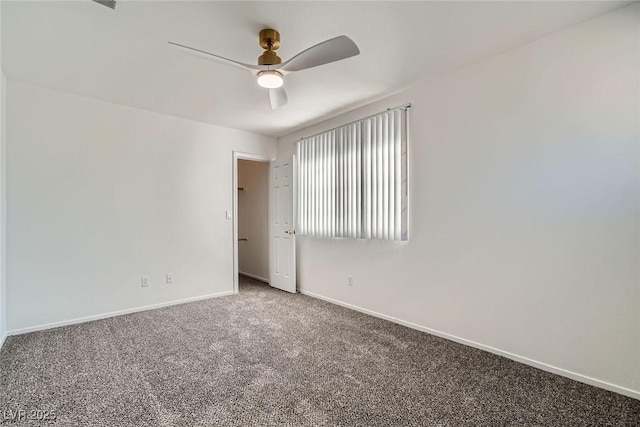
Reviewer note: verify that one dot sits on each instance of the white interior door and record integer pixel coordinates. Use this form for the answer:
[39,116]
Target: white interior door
[283,238]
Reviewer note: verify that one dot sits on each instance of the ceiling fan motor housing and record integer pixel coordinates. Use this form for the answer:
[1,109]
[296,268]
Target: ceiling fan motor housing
[270,41]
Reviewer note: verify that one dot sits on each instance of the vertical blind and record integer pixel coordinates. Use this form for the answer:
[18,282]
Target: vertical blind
[352,180]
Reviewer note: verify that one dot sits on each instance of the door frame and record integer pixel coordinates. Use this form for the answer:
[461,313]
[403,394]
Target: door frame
[239,155]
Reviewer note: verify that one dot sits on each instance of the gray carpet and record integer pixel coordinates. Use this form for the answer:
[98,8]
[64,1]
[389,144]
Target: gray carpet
[265,357]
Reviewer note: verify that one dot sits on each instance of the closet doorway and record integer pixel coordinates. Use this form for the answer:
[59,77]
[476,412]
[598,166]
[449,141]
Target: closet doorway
[252,221]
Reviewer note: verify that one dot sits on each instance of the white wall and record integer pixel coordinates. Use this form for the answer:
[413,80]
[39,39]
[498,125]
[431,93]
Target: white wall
[3,210]
[100,195]
[525,207]
[3,289]
[253,219]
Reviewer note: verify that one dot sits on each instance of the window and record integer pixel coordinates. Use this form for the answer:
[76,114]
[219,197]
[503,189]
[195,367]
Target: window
[352,180]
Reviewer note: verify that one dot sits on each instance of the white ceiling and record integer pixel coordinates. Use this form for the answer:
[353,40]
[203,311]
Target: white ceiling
[122,56]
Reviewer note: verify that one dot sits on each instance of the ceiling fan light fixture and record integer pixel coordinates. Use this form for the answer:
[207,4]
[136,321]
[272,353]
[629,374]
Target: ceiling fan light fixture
[270,79]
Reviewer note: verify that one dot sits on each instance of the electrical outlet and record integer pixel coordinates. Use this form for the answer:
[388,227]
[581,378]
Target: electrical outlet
[169,278]
[349,280]
[144,281]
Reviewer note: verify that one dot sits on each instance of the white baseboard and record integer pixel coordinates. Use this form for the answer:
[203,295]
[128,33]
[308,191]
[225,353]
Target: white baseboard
[114,313]
[3,339]
[540,365]
[253,276]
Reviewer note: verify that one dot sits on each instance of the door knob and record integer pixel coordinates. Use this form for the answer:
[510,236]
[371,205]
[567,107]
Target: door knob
[290,231]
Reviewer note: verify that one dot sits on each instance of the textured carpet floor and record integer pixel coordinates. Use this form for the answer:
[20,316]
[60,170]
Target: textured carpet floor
[265,357]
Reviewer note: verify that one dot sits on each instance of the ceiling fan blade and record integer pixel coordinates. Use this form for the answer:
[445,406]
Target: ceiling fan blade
[278,97]
[206,55]
[336,49]
[108,3]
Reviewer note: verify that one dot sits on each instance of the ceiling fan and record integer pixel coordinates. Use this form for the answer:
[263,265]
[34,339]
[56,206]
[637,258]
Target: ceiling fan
[270,70]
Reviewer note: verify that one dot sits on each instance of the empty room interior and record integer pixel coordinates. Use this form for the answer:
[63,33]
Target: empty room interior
[320,213]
